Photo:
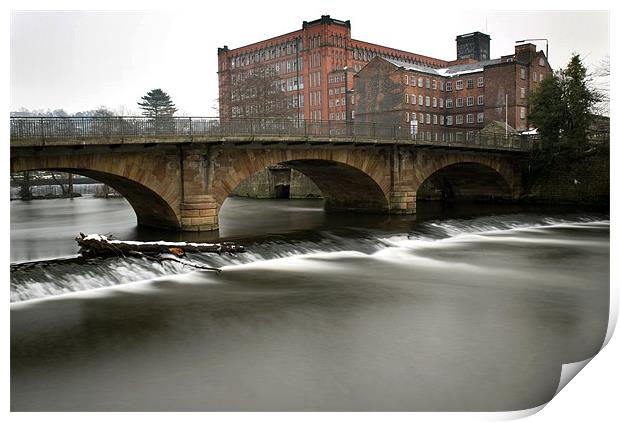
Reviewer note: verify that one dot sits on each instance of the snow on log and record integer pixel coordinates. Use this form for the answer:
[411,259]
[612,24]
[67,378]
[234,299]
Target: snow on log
[99,245]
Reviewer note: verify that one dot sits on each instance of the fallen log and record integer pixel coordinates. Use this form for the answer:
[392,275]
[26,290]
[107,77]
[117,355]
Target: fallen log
[99,245]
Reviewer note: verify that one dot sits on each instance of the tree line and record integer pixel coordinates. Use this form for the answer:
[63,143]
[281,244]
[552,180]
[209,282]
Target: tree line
[565,108]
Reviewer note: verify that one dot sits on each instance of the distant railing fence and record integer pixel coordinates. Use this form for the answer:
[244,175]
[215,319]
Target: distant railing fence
[50,128]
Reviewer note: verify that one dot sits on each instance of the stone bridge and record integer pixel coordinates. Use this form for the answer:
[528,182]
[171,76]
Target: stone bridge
[179,181]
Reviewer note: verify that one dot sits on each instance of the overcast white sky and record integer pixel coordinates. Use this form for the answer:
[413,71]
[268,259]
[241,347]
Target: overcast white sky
[79,60]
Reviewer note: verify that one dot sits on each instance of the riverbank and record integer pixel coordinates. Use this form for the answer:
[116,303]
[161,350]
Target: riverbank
[583,181]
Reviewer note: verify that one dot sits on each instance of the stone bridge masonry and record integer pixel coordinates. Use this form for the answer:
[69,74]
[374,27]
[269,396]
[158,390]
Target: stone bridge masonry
[182,186]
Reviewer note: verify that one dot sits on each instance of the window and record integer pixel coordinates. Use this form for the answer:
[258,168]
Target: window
[413,99]
[441,120]
[480,117]
[522,112]
[420,82]
[459,102]
[434,102]
[412,80]
[420,100]
[459,84]
[459,119]
[540,78]
[406,116]
[428,83]
[421,118]
[470,101]
[434,84]
[441,85]
[448,120]
[448,86]
[470,118]
[428,119]
[522,73]
[434,119]
[480,99]
[535,77]
[406,79]
[480,82]
[331,104]
[470,83]
[441,103]
[414,117]
[449,103]
[522,92]
[331,91]
[428,101]
[407,98]
[541,62]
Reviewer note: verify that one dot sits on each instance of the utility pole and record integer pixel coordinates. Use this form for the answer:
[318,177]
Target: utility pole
[506,107]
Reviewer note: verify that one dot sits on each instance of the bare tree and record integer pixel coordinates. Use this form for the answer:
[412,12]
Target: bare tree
[600,76]
[261,93]
[24,181]
[67,192]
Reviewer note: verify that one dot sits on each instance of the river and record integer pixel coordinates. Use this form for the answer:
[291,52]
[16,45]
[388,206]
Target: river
[462,308]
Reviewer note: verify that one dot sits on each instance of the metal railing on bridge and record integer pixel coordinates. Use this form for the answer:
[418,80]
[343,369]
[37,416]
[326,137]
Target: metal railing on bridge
[78,128]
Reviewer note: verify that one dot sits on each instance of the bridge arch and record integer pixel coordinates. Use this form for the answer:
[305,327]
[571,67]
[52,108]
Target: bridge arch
[466,176]
[350,180]
[141,182]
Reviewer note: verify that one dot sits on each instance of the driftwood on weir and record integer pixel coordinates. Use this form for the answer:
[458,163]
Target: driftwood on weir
[95,245]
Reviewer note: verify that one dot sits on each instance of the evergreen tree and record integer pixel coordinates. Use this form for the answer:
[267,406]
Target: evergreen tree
[547,110]
[580,100]
[562,108]
[156,103]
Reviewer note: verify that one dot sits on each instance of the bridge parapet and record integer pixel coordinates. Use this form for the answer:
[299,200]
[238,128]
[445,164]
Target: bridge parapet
[48,131]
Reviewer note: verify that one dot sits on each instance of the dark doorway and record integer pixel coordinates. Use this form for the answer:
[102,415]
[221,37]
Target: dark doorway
[282,191]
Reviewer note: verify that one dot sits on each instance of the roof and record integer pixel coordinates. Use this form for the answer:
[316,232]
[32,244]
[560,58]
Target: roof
[456,70]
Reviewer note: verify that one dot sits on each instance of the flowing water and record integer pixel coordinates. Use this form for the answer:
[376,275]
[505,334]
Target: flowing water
[460,308]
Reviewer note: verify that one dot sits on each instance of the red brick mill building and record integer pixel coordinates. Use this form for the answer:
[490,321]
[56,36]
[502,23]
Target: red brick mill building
[327,75]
